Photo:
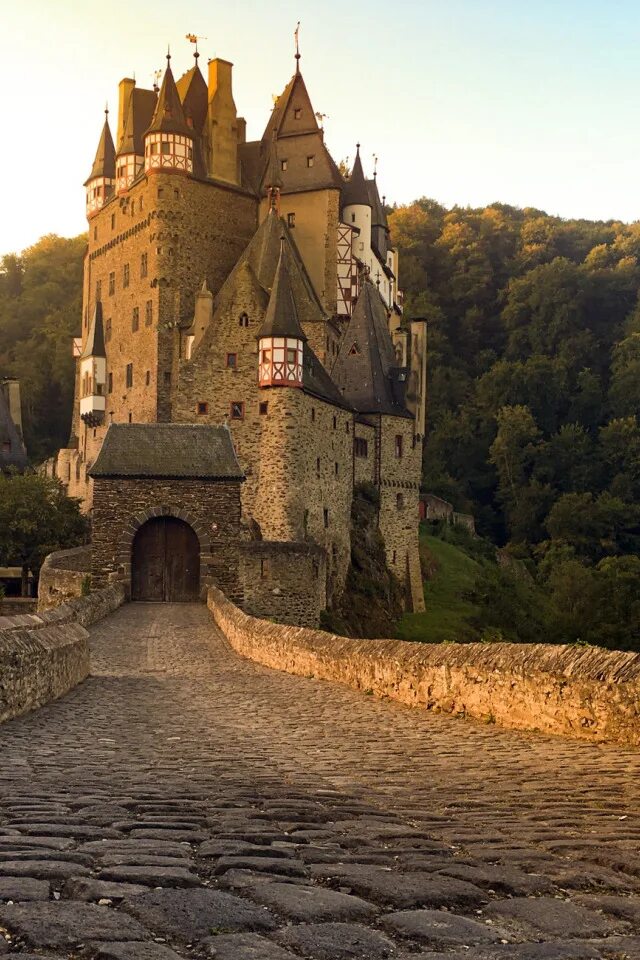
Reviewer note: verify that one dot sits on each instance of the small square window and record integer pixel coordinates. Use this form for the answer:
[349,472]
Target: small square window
[284,164]
[297,113]
[310,161]
[237,410]
[264,407]
[165,148]
[291,220]
[203,408]
[232,361]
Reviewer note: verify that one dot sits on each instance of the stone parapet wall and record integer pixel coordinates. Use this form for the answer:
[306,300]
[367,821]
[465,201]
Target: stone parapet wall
[63,576]
[583,692]
[43,656]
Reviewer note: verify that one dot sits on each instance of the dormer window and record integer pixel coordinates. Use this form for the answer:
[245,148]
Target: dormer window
[284,164]
[297,113]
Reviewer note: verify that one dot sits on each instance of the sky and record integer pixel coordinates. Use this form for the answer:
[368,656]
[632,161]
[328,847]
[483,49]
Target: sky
[534,103]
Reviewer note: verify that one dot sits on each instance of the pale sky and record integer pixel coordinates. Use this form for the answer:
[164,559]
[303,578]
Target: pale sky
[528,102]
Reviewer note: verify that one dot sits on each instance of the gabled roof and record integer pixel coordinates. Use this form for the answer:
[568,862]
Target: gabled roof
[104,164]
[281,318]
[142,104]
[283,120]
[355,190]
[12,451]
[365,369]
[169,450]
[94,347]
[168,116]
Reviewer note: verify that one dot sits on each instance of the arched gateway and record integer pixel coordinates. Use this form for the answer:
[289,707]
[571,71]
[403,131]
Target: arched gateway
[165,561]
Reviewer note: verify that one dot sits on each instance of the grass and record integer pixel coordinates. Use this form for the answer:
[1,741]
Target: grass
[448,615]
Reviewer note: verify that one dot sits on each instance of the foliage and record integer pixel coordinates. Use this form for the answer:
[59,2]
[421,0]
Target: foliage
[36,517]
[40,311]
[534,401]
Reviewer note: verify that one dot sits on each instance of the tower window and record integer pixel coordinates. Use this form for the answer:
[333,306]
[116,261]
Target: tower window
[147,378]
[144,262]
[107,329]
[336,469]
[237,410]
[399,501]
[95,233]
[244,320]
[232,361]
[297,113]
[125,275]
[361,447]
[133,207]
[325,513]
[264,569]
[110,383]
[398,447]
[135,319]
[130,418]
[347,426]
[113,221]
[353,218]
[98,289]
[310,161]
[263,408]
[203,408]
[291,220]
[167,377]
[129,375]
[313,414]
[148,313]
[112,283]
[317,466]
[284,164]
[335,423]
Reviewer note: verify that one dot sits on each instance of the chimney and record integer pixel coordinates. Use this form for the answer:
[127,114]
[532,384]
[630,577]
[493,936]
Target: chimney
[222,123]
[125,89]
[242,130]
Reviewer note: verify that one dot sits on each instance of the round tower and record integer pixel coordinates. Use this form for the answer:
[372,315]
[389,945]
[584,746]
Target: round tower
[100,182]
[356,210]
[281,339]
[168,143]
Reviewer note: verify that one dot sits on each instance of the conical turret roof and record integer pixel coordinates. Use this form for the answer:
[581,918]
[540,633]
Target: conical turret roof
[169,115]
[94,347]
[281,318]
[104,164]
[355,190]
[142,104]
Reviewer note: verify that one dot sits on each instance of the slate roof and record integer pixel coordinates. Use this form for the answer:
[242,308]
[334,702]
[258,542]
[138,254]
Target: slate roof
[317,382]
[168,116]
[355,189]
[104,164]
[281,318]
[94,347]
[365,369]
[142,105]
[169,450]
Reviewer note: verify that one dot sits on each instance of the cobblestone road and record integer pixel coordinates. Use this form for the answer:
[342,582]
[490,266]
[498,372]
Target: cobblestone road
[184,802]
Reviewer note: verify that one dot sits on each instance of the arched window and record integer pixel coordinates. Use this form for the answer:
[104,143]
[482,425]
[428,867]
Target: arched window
[244,320]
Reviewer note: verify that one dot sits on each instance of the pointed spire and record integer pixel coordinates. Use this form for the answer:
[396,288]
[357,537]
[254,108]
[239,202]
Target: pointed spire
[104,164]
[355,190]
[169,115]
[281,318]
[94,346]
[298,54]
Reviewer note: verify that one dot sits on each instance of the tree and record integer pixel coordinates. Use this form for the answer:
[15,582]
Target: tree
[36,517]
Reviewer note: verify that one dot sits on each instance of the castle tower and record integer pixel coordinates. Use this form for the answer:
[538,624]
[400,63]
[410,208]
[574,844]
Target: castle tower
[356,210]
[281,338]
[93,373]
[137,108]
[223,126]
[102,177]
[168,143]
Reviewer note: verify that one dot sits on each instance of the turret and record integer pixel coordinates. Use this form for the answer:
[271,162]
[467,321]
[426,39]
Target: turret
[168,143]
[356,209]
[93,373]
[129,158]
[281,339]
[102,177]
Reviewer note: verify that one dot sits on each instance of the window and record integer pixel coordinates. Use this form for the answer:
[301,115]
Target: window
[347,426]
[244,320]
[336,468]
[135,319]
[232,360]
[160,189]
[292,355]
[399,501]
[335,423]
[315,566]
[148,313]
[129,375]
[112,283]
[313,414]
[130,418]
[167,377]
[264,569]
[353,218]
[325,514]
[125,275]
[284,164]
[140,204]
[263,408]
[147,378]
[310,161]
[95,233]
[165,148]
[317,466]
[394,557]
[297,113]
[98,289]
[237,410]
[144,265]
[113,221]
[110,383]
[107,330]
[176,194]
[399,446]
[133,207]
[291,220]
[361,447]
[266,356]
[203,408]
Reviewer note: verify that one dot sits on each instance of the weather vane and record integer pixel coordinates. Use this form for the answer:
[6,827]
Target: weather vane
[193,38]
[156,79]
[296,35]
[375,165]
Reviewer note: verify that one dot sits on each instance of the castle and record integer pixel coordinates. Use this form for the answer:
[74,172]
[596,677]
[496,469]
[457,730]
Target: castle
[243,352]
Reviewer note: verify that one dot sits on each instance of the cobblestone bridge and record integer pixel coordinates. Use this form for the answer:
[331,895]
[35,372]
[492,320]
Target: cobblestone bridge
[185,802]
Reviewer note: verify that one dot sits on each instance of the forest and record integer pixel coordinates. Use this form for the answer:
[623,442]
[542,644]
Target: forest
[534,397]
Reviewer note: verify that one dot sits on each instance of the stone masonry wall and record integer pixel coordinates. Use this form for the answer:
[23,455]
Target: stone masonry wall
[64,575]
[582,692]
[285,582]
[121,506]
[43,656]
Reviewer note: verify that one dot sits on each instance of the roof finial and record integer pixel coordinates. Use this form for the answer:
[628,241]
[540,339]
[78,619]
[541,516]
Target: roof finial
[168,55]
[193,38]
[106,109]
[375,166]
[357,149]
[297,39]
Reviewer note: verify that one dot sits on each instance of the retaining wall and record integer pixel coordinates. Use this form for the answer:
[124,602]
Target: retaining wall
[584,692]
[44,655]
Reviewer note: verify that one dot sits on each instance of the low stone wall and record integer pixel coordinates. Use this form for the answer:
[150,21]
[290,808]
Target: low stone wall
[44,655]
[64,574]
[584,692]
[10,606]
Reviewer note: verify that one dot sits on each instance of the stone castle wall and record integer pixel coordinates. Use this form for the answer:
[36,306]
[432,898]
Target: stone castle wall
[587,693]
[285,582]
[64,575]
[211,508]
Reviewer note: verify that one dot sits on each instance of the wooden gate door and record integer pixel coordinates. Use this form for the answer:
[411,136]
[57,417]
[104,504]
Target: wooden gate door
[165,562]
